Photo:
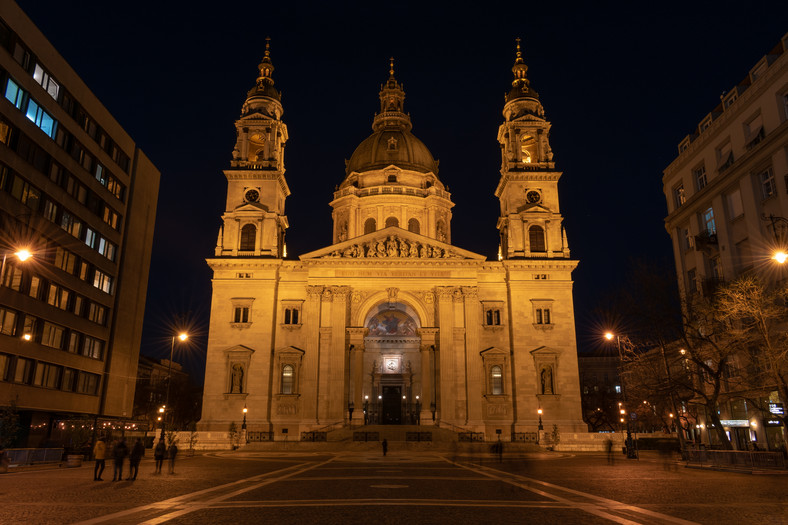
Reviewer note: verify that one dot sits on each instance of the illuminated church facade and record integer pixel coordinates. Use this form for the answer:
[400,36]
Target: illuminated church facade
[391,323]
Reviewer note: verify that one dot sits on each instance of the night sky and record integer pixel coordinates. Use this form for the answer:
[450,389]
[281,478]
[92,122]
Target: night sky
[622,84]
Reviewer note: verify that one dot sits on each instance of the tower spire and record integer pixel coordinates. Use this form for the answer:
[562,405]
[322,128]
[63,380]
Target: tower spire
[266,67]
[392,100]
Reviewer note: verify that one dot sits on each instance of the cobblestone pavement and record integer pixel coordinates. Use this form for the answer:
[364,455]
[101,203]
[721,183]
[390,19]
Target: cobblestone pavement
[335,487]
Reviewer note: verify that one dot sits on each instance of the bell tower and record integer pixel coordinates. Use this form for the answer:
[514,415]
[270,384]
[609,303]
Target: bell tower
[254,221]
[530,224]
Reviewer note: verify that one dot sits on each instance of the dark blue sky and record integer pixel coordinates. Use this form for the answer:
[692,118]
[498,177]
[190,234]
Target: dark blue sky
[622,84]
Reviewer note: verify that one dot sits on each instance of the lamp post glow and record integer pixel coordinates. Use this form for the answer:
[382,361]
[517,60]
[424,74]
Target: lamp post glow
[23,255]
[183,336]
[780,256]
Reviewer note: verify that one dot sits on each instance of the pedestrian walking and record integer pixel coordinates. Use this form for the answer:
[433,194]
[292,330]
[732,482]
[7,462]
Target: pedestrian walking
[385,446]
[137,451]
[119,454]
[609,447]
[171,453]
[158,454]
[99,455]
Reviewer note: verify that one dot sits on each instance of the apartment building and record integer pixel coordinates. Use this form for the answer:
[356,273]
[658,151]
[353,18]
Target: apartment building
[80,196]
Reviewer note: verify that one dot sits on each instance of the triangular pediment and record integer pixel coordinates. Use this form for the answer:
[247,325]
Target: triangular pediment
[545,351]
[254,207]
[239,350]
[533,208]
[392,243]
[493,351]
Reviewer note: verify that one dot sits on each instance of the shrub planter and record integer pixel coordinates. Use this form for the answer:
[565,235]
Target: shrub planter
[74,460]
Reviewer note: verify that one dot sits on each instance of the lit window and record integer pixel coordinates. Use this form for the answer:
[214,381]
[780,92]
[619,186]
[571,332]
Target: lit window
[708,221]
[7,322]
[92,347]
[679,196]
[14,94]
[618,389]
[102,281]
[496,380]
[288,379]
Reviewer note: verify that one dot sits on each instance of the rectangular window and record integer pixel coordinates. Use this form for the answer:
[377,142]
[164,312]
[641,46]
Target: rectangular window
[12,277]
[47,375]
[90,237]
[692,282]
[65,260]
[724,157]
[102,281]
[35,287]
[241,314]
[292,315]
[58,296]
[678,195]
[50,211]
[87,383]
[46,81]
[71,224]
[689,240]
[30,327]
[107,249]
[700,177]
[768,185]
[92,347]
[69,380]
[543,315]
[14,94]
[7,322]
[79,305]
[715,265]
[73,343]
[708,221]
[24,370]
[735,206]
[5,366]
[97,313]
[52,335]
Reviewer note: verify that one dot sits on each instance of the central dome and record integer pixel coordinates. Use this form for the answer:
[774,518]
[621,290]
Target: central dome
[388,146]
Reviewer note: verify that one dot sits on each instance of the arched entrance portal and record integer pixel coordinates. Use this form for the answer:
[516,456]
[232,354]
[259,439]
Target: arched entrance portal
[392,366]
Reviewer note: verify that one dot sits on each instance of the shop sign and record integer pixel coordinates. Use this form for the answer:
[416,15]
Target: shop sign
[735,422]
[777,409]
[772,423]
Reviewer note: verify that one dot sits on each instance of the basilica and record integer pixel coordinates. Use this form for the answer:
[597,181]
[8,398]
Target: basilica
[390,323]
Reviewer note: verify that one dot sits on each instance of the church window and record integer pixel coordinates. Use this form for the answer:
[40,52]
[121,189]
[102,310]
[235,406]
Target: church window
[700,177]
[543,316]
[542,312]
[496,380]
[527,146]
[392,221]
[241,314]
[248,234]
[370,226]
[536,238]
[288,379]
[413,226]
[291,315]
[492,313]
[392,178]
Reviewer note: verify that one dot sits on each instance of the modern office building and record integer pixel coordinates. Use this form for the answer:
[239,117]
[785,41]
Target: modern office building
[77,192]
[391,323]
[727,199]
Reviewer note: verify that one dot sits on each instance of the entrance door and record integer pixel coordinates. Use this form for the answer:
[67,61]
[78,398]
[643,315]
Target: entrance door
[392,405]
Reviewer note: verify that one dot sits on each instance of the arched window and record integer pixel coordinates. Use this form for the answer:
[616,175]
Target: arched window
[288,379]
[370,226]
[248,234]
[413,226]
[536,239]
[392,221]
[496,380]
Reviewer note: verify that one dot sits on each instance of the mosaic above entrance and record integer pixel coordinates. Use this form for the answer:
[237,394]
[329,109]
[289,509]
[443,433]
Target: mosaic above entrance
[391,322]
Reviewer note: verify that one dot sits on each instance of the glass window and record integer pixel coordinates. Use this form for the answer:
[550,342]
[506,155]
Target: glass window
[413,226]
[7,322]
[47,375]
[24,370]
[14,94]
[87,383]
[248,234]
[288,379]
[92,347]
[241,314]
[679,196]
[496,380]
[102,281]
[700,177]
[52,335]
[768,186]
[69,380]
[708,221]
[536,239]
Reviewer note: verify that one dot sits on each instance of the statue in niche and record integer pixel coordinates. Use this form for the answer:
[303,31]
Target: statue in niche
[342,235]
[237,379]
[547,380]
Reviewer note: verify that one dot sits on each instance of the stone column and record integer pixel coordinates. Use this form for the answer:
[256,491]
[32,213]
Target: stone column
[311,369]
[356,374]
[428,392]
[473,361]
[446,369]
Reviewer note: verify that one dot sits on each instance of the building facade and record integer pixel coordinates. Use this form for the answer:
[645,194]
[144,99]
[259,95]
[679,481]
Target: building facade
[391,323]
[727,197]
[77,192]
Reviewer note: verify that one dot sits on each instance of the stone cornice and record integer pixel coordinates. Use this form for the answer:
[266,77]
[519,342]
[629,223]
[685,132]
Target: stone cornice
[260,175]
[245,263]
[566,265]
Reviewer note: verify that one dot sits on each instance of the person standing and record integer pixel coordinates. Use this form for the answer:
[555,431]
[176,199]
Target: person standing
[385,446]
[119,454]
[99,454]
[172,452]
[158,454]
[137,451]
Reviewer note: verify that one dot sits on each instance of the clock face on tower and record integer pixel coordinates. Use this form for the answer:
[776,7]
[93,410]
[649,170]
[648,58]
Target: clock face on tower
[252,195]
[533,197]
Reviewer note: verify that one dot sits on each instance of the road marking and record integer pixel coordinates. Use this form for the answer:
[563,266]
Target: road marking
[389,486]
[607,504]
[182,499]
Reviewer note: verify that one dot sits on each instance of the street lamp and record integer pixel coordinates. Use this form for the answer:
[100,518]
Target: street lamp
[540,427]
[243,426]
[23,255]
[183,336]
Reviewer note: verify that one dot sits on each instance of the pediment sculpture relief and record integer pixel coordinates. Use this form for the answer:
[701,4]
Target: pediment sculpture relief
[395,247]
